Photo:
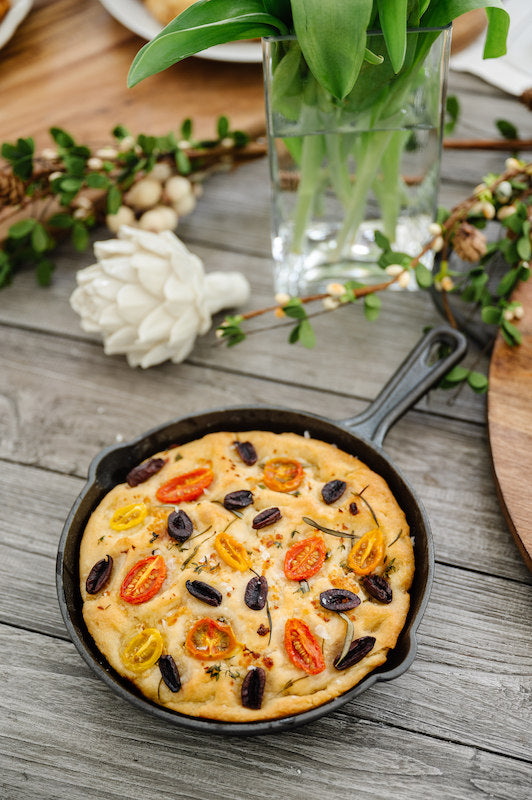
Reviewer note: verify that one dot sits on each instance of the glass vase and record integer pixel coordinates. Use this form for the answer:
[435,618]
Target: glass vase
[343,169]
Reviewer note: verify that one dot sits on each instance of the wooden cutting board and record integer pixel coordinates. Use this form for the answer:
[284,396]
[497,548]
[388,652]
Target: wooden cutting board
[67,65]
[510,426]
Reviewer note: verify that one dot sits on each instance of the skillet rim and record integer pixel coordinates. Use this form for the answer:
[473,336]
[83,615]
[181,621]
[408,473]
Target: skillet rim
[70,607]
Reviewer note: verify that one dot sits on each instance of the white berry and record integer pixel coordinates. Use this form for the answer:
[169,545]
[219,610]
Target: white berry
[160,218]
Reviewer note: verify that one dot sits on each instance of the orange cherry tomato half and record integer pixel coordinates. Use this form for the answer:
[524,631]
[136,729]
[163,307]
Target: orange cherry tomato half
[143,650]
[303,650]
[304,559]
[367,553]
[143,580]
[283,474]
[232,552]
[186,487]
[209,639]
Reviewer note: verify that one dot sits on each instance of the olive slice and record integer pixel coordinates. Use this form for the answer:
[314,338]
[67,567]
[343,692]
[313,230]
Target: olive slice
[99,575]
[256,593]
[204,592]
[377,587]
[170,673]
[234,501]
[144,471]
[253,688]
[358,650]
[266,517]
[332,491]
[247,452]
[179,526]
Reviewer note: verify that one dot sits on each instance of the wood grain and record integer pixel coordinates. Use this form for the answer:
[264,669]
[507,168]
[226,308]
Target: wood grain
[510,426]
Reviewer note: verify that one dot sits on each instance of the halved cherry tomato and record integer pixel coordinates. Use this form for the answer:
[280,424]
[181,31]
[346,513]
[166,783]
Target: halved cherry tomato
[128,516]
[186,487]
[367,553]
[143,580]
[209,639]
[302,648]
[143,650]
[232,552]
[304,559]
[283,474]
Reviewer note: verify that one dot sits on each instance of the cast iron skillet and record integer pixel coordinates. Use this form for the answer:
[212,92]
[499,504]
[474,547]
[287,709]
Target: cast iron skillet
[361,436]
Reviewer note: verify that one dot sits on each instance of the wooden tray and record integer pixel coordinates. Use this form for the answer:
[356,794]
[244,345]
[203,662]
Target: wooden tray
[510,427]
[54,74]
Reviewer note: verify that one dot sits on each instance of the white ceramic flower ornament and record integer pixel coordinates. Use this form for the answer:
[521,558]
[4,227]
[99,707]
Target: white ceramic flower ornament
[149,297]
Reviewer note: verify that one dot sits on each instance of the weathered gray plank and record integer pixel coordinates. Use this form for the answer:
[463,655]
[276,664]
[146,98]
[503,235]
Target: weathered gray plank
[64,734]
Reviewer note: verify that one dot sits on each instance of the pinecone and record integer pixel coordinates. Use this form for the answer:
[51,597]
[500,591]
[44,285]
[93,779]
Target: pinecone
[12,190]
[469,243]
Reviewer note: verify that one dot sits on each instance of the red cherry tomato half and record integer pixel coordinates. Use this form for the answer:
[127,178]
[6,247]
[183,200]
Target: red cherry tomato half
[283,474]
[186,487]
[143,580]
[304,559]
[209,639]
[303,650]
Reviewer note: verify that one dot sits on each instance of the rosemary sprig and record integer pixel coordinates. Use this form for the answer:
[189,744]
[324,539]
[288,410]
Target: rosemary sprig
[330,531]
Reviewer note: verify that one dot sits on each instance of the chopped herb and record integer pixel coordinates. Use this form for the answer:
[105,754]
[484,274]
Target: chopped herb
[185,563]
[349,633]
[270,623]
[178,457]
[154,536]
[101,539]
[291,535]
[196,536]
[303,587]
[199,566]
[290,683]
[262,486]
[214,671]
[390,568]
[396,538]
[278,544]
[322,528]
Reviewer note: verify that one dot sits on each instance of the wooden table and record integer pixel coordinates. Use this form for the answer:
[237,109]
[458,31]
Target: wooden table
[457,724]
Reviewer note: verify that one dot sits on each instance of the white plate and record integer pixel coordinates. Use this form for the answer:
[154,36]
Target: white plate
[19,9]
[134,16]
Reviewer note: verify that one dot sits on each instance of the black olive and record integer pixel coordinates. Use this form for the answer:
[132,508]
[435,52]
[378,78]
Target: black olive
[266,517]
[179,526]
[204,592]
[253,688]
[236,500]
[247,452]
[170,673]
[99,575]
[144,471]
[332,491]
[339,600]
[358,650]
[256,593]
[377,587]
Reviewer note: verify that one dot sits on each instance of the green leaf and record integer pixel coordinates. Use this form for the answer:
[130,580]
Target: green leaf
[382,241]
[222,127]
[186,129]
[293,336]
[456,375]
[372,58]
[506,129]
[22,228]
[182,162]
[60,221]
[61,137]
[510,333]
[307,336]
[6,271]
[80,235]
[120,132]
[39,238]
[295,309]
[332,41]
[70,184]
[97,181]
[372,307]
[491,315]
[392,17]
[114,199]
[523,248]
[206,23]
[478,382]
[44,270]
[507,283]
[442,12]
[423,276]
[452,110]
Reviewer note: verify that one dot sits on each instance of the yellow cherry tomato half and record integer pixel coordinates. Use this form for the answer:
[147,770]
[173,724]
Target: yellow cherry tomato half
[283,474]
[367,553]
[232,552]
[128,516]
[143,650]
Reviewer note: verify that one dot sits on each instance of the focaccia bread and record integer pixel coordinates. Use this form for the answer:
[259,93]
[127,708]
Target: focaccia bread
[247,576]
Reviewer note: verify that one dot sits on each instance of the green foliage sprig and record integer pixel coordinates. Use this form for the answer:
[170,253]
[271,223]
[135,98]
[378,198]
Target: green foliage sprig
[65,191]
[507,200]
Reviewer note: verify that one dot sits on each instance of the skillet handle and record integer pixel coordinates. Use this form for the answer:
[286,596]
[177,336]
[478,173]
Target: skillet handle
[416,375]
